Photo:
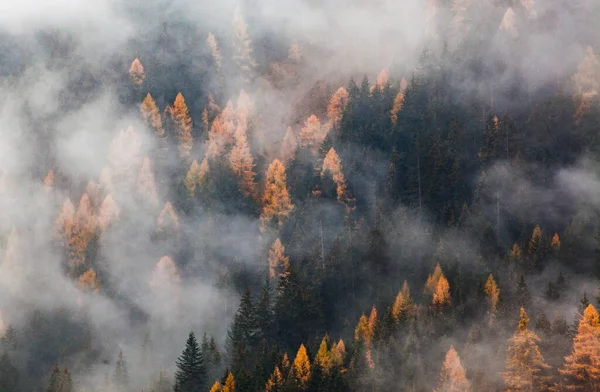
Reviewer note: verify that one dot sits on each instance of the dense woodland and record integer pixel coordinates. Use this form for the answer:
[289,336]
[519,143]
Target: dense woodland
[434,227]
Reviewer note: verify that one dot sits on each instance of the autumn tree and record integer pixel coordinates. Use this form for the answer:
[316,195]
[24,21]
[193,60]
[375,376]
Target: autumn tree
[136,73]
[277,259]
[216,387]
[337,105]
[300,372]
[276,198]
[524,363]
[586,79]
[403,304]
[215,51]
[108,212]
[182,120]
[229,385]
[242,46]
[453,377]
[324,358]
[493,295]
[146,185]
[397,106]
[288,145]
[332,165]
[48,181]
[165,274]
[191,372]
[151,115]
[432,279]
[441,296]
[242,163]
[88,281]
[581,369]
[275,381]
[168,222]
[311,134]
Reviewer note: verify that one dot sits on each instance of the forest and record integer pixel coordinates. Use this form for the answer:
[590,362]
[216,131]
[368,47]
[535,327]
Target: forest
[300,196]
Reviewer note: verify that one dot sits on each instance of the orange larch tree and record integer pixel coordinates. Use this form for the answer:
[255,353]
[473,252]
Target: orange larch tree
[183,122]
[453,377]
[277,203]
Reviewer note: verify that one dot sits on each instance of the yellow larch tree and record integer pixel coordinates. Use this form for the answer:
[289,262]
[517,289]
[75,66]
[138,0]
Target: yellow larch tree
[88,281]
[183,122]
[136,73]
[242,163]
[337,105]
[338,353]
[242,45]
[493,294]
[168,222]
[332,165]
[192,178]
[432,279]
[362,332]
[229,385]
[524,362]
[146,185]
[151,115]
[108,212]
[277,203]
[555,244]
[49,181]
[278,262]
[214,50]
[288,145]
[324,358]
[372,322]
[165,274]
[216,387]
[403,304]
[453,377]
[310,134]
[441,296]
[382,80]
[275,382]
[300,371]
[581,369]
[398,105]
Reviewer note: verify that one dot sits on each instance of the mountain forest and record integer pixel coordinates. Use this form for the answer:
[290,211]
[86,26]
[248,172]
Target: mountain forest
[300,196]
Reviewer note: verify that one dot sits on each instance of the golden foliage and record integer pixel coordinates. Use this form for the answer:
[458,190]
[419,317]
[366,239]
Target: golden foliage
[515,253]
[136,73]
[493,294]
[216,387]
[275,382]
[310,134]
[441,296]
[49,180]
[362,332]
[324,357]
[398,105]
[146,186]
[165,274]
[338,353]
[555,242]
[242,163]
[109,212]
[183,121]
[277,203]
[278,262]
[168,222]
[229,383]
[337,105]
[582,367]
[524,362]
[300,372]
[534,242]
[453,377]
[382,79]
[192,178]
[88,281]
[214,50]
[403,304]
[372,322]
[333,165]
[432,279]
[151,115]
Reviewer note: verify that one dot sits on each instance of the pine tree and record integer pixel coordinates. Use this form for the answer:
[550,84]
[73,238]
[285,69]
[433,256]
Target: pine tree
[183,121]
[55,380]
[522,294]
[524,363]
[300,372]
[191,372]
[162,383]
[242,335]
[120,376]
[151,115]
[453,377]
[66,384]
[276,199]
[9,375]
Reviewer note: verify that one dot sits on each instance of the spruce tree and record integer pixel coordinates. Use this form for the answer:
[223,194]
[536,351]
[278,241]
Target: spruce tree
[191,372]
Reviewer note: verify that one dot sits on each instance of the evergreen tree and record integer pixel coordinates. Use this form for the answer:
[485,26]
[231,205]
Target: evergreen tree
[9,375]
[191,372]
[120,376]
